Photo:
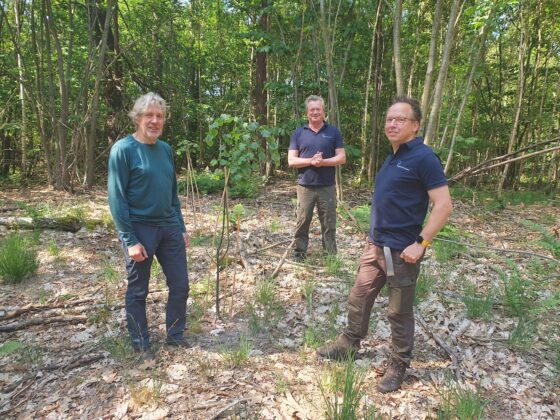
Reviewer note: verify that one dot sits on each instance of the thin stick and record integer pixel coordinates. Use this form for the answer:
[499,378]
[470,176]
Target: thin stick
[512,251]
[281,262]
[228,407]
[442,344]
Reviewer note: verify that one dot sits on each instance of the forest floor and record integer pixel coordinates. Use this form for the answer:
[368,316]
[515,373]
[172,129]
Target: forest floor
[257,360]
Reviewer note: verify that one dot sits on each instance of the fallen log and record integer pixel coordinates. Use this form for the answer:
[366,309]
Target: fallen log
[66,223]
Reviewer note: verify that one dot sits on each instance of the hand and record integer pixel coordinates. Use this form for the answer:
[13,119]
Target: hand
[317,159]
[137,252]
[412,253]
[186,239]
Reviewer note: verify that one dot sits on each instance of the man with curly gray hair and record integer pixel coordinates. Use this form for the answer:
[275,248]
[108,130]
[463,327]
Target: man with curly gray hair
[145,206]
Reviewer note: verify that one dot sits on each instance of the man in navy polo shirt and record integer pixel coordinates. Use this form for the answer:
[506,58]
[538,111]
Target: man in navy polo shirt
[315,149]
[409,179]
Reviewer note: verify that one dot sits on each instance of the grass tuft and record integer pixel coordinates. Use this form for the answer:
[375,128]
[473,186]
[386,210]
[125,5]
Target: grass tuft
[17,259]
[462,403]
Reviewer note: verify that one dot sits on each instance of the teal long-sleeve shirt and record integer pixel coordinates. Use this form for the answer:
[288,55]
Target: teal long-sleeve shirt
[142,187]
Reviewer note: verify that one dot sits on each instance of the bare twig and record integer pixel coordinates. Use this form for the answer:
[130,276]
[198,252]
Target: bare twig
[281,262]
[286,241]
[76,363]
[228,407]
[507,251]
[442,344]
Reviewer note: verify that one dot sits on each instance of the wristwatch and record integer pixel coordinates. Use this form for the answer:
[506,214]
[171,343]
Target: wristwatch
[420,239]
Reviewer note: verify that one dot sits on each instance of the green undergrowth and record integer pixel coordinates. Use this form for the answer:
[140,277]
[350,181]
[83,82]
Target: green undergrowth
[18,258]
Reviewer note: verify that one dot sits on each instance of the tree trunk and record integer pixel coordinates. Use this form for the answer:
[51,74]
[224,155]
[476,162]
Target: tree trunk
[519,98]
[24,124]
[365,145]
[92,129]
[442,76]
[467,90]
[397,19]
[333,101]
[427,90]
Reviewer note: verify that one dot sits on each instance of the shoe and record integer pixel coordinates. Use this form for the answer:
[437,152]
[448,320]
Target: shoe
[178,343]
[393,377]
[341,349]
[299,256]
[146,355]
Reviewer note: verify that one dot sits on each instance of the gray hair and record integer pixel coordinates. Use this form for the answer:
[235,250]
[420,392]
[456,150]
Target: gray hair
[143,102]
[314,98]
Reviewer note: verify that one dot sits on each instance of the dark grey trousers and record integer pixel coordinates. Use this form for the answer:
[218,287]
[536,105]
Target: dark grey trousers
[325,200]
[370,280]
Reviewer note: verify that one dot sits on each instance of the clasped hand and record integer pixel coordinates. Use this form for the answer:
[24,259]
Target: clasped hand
[317,159]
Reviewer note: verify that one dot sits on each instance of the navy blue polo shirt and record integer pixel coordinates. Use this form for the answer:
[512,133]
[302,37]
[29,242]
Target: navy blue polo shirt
[400,199]
[308,142]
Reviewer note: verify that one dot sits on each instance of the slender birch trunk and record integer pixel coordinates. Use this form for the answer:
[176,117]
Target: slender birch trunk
[442,76]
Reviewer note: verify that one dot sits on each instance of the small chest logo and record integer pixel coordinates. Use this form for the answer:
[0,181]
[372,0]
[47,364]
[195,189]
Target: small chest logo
[400,165]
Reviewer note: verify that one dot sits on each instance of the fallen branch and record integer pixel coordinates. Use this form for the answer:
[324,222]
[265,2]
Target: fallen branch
[42,321]
[454,359]
[512,251]
[76,363]
[228,407]
[270,246]
[483,168]
[67,223]
[281,262]
[6,313]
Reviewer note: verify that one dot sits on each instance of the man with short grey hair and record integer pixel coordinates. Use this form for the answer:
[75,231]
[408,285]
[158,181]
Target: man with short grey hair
[145,206]
[315,150]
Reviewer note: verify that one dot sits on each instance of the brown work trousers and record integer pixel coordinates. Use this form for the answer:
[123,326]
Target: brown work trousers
[324,197]
[370,280]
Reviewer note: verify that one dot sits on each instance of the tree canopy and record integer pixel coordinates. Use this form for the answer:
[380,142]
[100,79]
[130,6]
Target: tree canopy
[487,73]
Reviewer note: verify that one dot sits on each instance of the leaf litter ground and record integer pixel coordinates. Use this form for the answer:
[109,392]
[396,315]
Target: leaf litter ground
[258,359]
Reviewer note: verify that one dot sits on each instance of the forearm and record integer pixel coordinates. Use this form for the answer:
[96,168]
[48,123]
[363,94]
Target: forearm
[437,219]
[298,162]
[334,161]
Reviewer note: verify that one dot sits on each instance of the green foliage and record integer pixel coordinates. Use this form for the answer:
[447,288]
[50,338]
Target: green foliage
[424,286]
[239,147]
[313,337]
[361,214]
[119,347]
[266,309]
[333,264]
[307,289]
[246,188]
[207,182]
[342,388]
[445,251]
[478,307]
[11,346]
[18,259]
[524,334]
[239,355]
[461,403]
[518,294]
[548,239]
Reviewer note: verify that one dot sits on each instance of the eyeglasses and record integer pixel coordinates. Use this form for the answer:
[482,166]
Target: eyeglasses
[398,120]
